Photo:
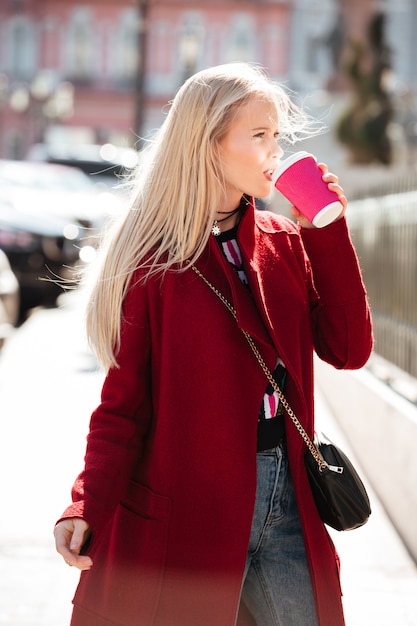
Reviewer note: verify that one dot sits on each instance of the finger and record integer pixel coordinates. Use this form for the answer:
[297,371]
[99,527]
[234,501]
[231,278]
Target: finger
[295,213]
[329,178]
[343,201]
[82,562]
[62,534]
[302,220]
[64,551]
[340,193]
[334,186]
[69,537]
[78,536]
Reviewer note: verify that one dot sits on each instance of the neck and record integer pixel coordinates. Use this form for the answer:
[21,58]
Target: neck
[225,220]
[230,200]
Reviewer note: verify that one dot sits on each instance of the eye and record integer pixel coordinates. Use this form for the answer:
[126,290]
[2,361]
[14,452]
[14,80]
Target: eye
[262,133]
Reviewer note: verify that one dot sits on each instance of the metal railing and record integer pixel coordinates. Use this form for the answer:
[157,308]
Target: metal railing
[383,225]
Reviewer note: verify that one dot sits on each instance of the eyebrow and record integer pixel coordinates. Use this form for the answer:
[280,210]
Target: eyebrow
[264,128]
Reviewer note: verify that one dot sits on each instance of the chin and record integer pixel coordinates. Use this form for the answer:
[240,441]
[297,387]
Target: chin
[262,193]
[259,192]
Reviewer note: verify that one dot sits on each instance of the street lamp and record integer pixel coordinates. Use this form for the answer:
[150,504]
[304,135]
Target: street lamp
[39,104]
[142,26]
[189,49]
[60,105]
[20,99]
[4,99]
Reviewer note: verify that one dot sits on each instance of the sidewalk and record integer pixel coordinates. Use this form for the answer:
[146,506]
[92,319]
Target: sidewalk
[379,578]
[48,387]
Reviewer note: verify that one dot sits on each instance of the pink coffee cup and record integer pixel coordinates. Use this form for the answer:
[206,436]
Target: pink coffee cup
[299,179]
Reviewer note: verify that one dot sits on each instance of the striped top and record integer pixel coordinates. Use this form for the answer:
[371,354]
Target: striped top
[271,424]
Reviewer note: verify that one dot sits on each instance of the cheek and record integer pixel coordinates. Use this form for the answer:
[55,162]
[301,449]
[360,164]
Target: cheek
[238,158]
[234,148]
[233,161]
[241,167]
[244,151]
[251,159]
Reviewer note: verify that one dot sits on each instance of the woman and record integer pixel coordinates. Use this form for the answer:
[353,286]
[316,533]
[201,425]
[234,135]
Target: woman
[194,507]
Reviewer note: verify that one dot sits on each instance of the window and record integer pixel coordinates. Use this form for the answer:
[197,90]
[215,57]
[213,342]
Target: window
[127,45]
[21,49]
[79,53]
[242,39]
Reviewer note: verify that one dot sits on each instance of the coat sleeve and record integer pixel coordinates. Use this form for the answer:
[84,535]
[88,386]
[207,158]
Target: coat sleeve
[341,319]
[119,425]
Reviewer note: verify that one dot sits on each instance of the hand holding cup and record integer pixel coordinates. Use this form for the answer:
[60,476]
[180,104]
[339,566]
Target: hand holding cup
[315,193]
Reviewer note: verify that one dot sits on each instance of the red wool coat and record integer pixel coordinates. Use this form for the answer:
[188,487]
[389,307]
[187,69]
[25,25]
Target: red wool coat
[170,476]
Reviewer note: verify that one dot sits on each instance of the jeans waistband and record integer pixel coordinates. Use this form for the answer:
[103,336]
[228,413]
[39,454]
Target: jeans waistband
[282,445]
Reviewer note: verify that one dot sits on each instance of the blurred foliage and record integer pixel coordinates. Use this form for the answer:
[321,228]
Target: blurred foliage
[363,127]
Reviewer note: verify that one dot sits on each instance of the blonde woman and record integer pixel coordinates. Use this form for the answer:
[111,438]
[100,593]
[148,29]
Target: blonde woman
[193,508]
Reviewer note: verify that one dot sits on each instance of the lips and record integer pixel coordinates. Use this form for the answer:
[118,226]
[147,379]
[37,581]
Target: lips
[268,175]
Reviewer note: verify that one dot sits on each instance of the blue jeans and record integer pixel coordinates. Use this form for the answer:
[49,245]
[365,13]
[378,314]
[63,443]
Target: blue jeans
[277,586]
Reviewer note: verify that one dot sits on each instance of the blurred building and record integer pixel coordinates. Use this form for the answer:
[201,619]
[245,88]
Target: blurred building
[102,71]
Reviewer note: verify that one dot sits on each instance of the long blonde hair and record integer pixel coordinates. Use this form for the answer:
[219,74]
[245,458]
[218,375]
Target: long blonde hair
[177,190]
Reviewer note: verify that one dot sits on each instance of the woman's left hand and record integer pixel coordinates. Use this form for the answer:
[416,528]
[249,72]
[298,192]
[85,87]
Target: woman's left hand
[333,183]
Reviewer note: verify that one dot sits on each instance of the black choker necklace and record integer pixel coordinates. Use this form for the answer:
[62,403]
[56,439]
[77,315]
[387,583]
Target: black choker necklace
[215,229]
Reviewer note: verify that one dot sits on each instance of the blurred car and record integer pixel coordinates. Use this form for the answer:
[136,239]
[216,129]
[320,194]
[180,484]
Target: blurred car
[106,165]
[9,298]
[58,191]
[44,253]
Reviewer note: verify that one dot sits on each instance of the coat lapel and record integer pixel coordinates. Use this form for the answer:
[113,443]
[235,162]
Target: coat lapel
[218,271]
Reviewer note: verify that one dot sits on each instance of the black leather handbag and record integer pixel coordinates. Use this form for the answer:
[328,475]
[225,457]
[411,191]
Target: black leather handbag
[340,496]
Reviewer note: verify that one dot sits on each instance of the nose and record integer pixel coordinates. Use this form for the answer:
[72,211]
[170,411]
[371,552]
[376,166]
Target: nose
[276,150]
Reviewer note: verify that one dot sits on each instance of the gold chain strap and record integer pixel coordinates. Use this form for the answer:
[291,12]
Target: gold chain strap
[312,448]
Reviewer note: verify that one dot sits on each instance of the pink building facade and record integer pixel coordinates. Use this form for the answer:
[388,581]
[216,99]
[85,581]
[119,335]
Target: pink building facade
[103,71]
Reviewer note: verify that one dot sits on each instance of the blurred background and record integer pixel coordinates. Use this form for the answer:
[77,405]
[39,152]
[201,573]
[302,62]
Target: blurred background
[100,72]
[77,74]
[82,86]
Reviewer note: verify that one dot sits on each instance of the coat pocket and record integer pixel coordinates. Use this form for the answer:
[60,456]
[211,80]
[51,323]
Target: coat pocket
[124,584]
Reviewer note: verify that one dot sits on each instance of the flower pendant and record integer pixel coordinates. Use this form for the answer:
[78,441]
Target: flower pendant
[215,229]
